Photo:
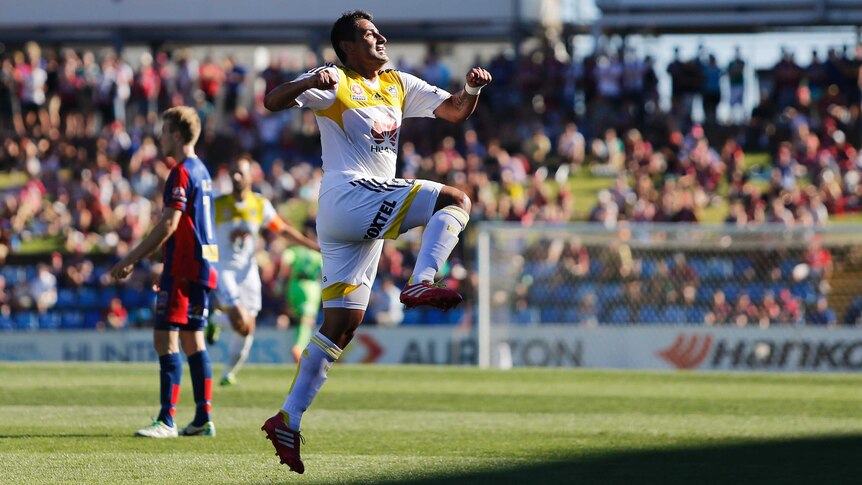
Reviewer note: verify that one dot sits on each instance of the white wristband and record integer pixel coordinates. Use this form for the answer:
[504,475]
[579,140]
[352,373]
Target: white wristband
[471,90]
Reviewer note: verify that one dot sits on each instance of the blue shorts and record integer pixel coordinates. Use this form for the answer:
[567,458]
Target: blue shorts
[181,305]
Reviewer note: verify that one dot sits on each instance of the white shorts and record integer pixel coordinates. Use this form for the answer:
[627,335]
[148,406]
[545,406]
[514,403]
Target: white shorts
[353,219]
[239,288]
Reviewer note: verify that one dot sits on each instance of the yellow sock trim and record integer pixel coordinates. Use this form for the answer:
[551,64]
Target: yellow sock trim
[332,352]
[458,213]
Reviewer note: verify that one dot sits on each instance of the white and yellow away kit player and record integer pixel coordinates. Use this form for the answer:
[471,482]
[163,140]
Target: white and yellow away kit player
[238,223]
[361,202]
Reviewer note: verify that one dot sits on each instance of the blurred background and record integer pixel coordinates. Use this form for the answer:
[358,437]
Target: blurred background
[636,163]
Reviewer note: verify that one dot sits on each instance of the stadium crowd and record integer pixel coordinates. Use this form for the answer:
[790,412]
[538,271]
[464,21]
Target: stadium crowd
[78,131]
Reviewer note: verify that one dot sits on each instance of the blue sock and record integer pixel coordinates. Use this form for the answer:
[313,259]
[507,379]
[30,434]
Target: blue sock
[170,374]
[202,383]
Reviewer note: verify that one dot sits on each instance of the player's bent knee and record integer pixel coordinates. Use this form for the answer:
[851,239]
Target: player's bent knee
[450,196]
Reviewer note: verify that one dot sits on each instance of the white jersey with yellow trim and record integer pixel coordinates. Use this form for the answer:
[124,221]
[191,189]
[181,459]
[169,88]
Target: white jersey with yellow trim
[238,223]
[360,122]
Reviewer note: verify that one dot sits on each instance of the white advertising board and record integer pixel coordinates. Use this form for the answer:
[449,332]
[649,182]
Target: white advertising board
[654,347]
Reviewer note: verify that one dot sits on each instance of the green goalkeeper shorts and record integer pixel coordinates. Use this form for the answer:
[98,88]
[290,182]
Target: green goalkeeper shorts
[303,296]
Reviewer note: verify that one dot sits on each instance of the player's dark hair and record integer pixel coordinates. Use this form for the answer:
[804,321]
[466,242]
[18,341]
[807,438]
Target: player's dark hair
[185,120]
[344,29]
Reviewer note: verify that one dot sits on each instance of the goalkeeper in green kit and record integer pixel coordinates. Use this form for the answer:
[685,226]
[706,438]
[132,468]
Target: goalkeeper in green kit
[301,268]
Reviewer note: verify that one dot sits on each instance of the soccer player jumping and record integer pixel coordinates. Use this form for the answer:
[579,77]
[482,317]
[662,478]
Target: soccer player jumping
[190,252]
[359,108]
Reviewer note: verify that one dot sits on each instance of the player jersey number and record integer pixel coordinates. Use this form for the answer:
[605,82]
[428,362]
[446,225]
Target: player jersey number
[210,250]
[208,218]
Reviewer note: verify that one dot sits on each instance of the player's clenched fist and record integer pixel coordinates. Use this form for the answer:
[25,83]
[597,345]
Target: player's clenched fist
[121,270]
[478,77]
[323,79]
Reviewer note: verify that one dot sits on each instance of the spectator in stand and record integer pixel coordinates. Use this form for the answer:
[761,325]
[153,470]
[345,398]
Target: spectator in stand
[116,316]
[746,312]
[571,147]
[821,314]
[770,310]
[673,172]
[721,311]
[609,153]
[736,78]
[385,307]
[711,90]
[788,75]
[43,289]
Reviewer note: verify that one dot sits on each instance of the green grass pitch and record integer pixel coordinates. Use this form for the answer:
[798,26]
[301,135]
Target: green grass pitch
[73,423]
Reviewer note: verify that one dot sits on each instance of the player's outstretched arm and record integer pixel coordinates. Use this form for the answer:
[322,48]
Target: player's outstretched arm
[293,234]
[163,229]
[284,96]
[461,105]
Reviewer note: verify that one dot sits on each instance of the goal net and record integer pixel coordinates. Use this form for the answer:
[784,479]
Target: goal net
[585,275]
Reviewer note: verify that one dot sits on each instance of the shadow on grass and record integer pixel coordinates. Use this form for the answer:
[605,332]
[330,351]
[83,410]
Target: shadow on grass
[822,460]
[52,435]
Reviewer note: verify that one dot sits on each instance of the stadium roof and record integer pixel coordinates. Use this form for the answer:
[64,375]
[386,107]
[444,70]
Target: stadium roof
[257,20]
[669,16]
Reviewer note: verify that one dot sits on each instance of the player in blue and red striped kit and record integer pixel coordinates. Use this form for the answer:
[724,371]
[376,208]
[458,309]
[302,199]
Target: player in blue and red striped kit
[190,253]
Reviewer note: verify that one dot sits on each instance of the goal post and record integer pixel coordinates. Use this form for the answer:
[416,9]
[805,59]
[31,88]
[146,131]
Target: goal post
[588,275]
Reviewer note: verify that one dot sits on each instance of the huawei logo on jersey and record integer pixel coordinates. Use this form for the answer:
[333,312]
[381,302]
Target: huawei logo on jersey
[385,132]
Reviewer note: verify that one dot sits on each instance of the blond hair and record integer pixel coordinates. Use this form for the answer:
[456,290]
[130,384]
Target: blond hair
[185,120]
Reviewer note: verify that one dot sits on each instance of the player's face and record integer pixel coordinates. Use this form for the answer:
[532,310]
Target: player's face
[241,175]
[369,45]
[167,140]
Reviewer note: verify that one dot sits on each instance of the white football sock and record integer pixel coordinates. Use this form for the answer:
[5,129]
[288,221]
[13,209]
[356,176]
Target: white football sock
[237,354]
[311,372]
[438,241]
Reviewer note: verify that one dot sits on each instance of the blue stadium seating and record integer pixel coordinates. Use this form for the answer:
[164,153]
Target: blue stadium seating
[650,314]
[72,320]
[718,268]
[704,294]
[649,268]
[585,289]
[91,318]
[804,290]
[696,315]
[619,315]
[412,317]
[66,299]
[50,321]
[674,314]
[700,266]
[89,298]
[786,267]
[552,315]
[26,321]
[526,316]
[756,291]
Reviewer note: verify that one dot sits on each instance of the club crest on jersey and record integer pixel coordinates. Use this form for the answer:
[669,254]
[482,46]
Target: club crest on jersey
[179,194]
[385,134]
[393,91]
[357,93]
